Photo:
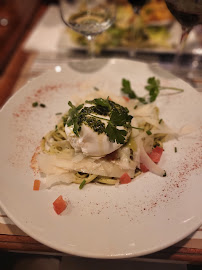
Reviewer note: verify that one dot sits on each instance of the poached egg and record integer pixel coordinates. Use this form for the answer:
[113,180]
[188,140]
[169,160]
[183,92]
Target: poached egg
[90,142]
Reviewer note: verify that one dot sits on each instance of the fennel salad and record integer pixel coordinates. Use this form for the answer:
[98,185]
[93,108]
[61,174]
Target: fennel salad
[106,139]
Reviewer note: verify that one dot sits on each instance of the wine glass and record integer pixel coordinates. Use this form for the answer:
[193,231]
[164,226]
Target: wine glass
[88,17]
[137,5]
[189,14]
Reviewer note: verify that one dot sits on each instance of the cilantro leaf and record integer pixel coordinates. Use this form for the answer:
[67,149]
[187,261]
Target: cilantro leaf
[114,134]
[126,89]
[120,118]
[153,87]
[99,102]
[73,117]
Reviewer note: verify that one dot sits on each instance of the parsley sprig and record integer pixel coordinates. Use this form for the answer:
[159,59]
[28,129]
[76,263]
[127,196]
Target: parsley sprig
[153,87]
[73,115]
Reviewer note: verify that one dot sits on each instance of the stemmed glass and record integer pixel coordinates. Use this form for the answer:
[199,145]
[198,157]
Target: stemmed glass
[88,17]
[189,14]
[137,5]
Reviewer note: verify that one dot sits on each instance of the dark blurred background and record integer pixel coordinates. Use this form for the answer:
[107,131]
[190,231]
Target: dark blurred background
[16,17]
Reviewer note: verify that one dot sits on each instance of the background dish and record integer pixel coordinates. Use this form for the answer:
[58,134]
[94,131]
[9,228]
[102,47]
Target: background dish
[145,216]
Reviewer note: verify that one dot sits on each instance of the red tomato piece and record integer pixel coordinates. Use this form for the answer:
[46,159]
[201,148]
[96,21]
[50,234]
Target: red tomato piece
[126,98]
[59,205]
[155,156]
[125,179]
[143,168]
[36,185]
[156,153]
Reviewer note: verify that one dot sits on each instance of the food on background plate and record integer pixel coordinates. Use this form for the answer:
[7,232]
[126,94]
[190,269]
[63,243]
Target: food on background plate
[106,140]
[149,30]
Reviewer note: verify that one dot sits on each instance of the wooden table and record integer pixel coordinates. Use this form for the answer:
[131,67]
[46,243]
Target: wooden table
[11,237]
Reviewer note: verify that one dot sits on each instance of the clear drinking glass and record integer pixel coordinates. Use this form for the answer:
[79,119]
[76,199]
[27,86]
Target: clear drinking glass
[88,17]
[189,14]
[137,5]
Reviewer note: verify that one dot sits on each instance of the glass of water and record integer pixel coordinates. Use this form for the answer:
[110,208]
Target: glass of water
[88,17]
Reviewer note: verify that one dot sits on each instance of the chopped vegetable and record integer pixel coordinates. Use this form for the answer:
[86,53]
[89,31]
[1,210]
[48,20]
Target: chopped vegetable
[175,149]
[82,184]
[42,105]
[36,184]
[149,132]
[155,156]
[126,98]
[125,179]
[35,104]
[59,205]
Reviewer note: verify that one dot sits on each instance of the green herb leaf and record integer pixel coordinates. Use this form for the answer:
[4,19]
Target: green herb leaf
[73,117]
[35,104]
[42,105]
[126,89]
[114,134]
[153,87]
[120,118]
[99,102]
[82,184]
[149,132]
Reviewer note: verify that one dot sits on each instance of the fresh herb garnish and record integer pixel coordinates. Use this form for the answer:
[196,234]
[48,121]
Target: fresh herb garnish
[153,87]
[73,117]
[175,149]
[59,113]
[95,88]
[114,134]
[35,104]
[126,89]
[99,102]
[82,184]
[113,114]
[160,121]
[149,132]
[42,105]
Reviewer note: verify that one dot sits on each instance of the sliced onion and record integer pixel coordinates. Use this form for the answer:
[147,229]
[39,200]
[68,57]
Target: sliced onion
[151,166]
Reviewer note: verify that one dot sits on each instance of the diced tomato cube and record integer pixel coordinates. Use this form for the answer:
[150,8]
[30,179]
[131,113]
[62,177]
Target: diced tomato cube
[36,185]
[155,156]
[59,205]
[125,179]
[143,168]
[126,98]
[156,153]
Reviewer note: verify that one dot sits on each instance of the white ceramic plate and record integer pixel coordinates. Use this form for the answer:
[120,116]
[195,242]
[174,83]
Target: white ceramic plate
[142,217]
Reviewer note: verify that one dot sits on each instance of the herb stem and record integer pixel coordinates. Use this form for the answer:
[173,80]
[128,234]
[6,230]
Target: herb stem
[99,117]
[137,128]
[171,88]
